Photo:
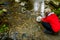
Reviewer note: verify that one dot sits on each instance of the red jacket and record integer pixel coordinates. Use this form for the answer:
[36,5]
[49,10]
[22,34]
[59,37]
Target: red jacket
[53,20]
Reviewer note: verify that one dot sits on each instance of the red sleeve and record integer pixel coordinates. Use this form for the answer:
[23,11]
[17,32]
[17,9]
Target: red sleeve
[45,19]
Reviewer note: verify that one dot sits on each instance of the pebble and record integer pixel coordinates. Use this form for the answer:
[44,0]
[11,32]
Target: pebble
[17,1]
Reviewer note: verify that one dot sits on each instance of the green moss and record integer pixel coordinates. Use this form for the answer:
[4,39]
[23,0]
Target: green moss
[3,28]
[57,11]
[1,11]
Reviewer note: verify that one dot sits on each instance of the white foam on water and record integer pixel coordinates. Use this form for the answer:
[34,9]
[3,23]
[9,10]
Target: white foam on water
[36,6]
[42,9]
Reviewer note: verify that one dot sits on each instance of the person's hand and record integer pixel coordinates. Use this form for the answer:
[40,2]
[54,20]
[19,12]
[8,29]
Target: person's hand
[38,19]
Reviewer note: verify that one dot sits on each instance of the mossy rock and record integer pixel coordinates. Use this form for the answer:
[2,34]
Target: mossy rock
[3,28]
[29,4]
